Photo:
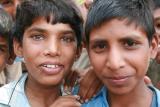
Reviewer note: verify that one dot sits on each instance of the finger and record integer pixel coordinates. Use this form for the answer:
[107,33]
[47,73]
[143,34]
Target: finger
[83,73]
[86,83]
[66,101]
[147,80]
[70,80]
[94,89]
[74,97]
[90,87]
[74,78]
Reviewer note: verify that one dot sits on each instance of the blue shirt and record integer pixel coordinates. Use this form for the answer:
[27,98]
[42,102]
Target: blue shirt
[100,99]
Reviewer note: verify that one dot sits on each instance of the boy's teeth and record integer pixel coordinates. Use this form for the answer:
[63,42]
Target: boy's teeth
[51,66]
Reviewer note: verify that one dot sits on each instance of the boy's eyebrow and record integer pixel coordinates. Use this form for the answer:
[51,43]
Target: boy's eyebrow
[98,40]
[36,29]
[158,18]
[132,36]
[43,30]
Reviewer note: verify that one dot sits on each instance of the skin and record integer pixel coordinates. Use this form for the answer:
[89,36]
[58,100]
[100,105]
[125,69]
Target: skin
[156,14]
[48,61]
[10,6]
[84,8]
[3,53]
[88,86]
[120,58]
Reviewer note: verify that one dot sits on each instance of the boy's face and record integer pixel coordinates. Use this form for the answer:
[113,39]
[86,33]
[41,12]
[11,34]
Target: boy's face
[157,21]
[3,53]
[10,6]
[120,55]
[157,27]
[48,50]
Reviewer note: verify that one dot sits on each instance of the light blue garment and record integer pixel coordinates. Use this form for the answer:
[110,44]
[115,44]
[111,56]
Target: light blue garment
[13,95]
[101,101]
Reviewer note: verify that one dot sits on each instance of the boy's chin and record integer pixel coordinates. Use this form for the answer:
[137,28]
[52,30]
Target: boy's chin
[119,91]
[51,82]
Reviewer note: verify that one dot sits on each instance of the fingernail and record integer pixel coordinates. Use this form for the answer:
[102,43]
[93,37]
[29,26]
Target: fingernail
[77,96]
[94,95]
[78,104]
[65,87]
[81,101]
[86,100]
[70,88]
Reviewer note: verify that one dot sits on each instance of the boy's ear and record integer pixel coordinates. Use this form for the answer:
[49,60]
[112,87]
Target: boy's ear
[154,46]
[17,48]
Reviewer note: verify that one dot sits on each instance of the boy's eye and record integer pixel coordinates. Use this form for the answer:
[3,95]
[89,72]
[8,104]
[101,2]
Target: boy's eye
[130,44]
[68,38]
[6,2]
[99,47]
[158,25]
[37,37]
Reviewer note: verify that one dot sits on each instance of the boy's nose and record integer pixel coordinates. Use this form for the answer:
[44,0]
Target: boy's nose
[52,48]
[115,60]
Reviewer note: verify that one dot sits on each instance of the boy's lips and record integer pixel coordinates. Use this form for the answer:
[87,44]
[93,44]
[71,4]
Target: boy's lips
[118,80]
[51,68]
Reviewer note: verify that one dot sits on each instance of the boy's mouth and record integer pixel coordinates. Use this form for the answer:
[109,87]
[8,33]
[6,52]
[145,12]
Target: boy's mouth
[51,69]
[51,66]
[118,81]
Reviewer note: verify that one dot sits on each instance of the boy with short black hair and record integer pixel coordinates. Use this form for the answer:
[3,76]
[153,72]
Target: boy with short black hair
[48,36]
[5,30]
[154,68]
[120,38]
[156,13]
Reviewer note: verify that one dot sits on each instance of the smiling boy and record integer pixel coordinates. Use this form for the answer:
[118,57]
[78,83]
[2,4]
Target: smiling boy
[47,35]
[120,38]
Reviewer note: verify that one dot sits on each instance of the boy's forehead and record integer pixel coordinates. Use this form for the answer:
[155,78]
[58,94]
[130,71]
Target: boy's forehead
[8,1]
[118,27]
[156,13]
[123,21]
[10,6]
[41,24]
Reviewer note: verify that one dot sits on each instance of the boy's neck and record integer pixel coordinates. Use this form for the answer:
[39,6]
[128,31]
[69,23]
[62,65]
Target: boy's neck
[39,96]
[141,96]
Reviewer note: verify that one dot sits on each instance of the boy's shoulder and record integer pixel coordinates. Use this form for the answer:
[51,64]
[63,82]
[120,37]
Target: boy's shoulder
[13,94]
[99,100]
[5,93]
[157,94]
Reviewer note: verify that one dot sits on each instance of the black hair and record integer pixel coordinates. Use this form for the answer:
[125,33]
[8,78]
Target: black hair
[64,11]
[6,23]
[137,11]
[156,4]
